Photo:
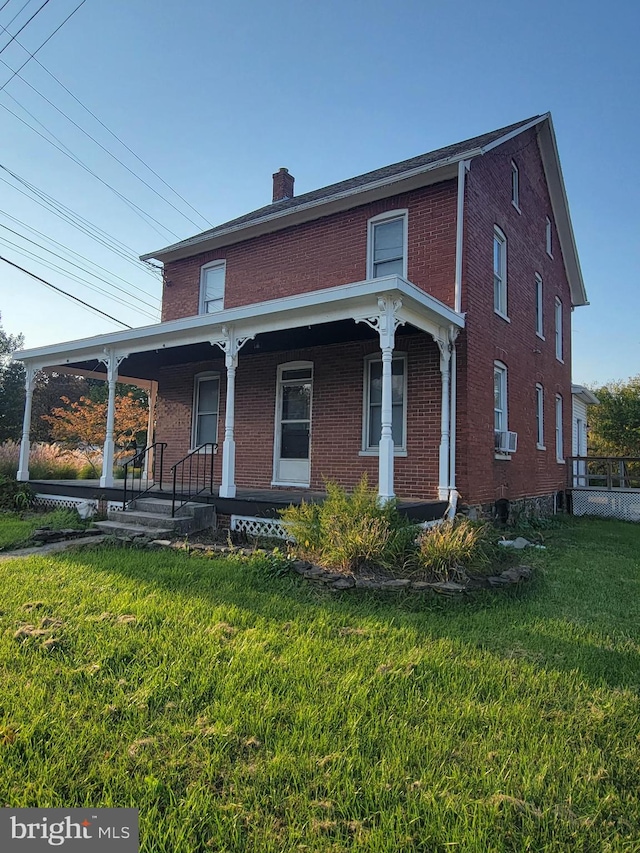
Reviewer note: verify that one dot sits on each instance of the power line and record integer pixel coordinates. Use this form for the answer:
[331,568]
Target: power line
[37,12]
[75,219]
[64,293]
[136,208]
[78,266]
[27,253]
[102,124]
[77,254]
[32,55]
[93,139]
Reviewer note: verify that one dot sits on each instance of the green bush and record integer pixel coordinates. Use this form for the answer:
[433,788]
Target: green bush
[453,545]
[350,531]
[14,495]
[63,519]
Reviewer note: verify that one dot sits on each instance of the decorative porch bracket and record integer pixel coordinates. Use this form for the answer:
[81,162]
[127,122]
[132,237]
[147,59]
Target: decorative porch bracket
[112,361]
[385,322]
[230,344]
[445,342]
[25,445]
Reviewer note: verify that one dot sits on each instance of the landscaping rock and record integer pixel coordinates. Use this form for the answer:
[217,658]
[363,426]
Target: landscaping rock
[396,583]
[448,587]
[343,583]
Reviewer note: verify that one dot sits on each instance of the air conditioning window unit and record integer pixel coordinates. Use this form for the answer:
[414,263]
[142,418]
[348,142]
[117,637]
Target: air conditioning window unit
[506,442]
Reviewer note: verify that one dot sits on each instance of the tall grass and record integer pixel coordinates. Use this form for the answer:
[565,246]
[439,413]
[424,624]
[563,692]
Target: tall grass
[50,462]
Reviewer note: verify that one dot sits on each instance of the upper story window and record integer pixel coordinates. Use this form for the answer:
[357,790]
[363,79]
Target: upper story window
[515,186]
[540,417]
[539,302]
[559,342]
[549,237]
[206,395]
[499,272]
[387,244]
[372,423]
[212,287]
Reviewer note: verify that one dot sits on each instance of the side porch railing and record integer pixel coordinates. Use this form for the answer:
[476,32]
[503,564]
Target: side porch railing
[605,486]
[148,461]
[193,475]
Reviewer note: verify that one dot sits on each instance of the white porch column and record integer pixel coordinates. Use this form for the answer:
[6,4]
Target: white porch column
[445,430]
[231,345]
[25,444]
[112,362]
[148,459]
[385,323]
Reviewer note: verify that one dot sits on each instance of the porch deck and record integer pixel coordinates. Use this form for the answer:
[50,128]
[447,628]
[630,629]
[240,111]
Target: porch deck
[262,503]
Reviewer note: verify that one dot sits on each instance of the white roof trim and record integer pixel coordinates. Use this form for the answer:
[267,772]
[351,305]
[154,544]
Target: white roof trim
[585,395]
[349,301]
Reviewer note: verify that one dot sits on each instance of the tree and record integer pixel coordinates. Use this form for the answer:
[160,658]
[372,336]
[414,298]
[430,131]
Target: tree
[81,424]
[614,425]
[12,392]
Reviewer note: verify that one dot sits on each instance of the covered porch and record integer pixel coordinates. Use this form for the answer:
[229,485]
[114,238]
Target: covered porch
[384,313]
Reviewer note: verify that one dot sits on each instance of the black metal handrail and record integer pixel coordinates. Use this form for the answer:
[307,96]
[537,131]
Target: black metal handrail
[609,473]
[154,475]
[196,483]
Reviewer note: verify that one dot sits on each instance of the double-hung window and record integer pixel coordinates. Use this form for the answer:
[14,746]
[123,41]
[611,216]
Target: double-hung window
[500,423]
[548,237]
[206,396]
[515,186]
[559,444]
[499,272]
[539,315]
[559,342]
[540,417]
[387,245]
[372,421]
[212,287]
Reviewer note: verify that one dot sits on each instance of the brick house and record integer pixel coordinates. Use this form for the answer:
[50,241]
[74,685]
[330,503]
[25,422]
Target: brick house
[413,323]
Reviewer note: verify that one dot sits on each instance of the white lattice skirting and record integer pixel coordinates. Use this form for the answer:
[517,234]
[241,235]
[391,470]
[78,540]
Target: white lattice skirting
[260,527]
[606,504]
[66,502]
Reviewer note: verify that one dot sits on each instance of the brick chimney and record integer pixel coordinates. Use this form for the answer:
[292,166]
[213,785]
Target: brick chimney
[282,184]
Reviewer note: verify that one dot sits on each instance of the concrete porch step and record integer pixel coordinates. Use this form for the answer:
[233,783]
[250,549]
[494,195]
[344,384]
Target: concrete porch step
[116,528]
[151,520]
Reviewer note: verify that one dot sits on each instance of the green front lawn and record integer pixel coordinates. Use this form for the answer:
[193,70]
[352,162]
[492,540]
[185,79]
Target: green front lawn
[17,528]
[245,712]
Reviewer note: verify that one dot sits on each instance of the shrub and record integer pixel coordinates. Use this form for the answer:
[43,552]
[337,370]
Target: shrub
[14,495]
[453,544]
[349,531]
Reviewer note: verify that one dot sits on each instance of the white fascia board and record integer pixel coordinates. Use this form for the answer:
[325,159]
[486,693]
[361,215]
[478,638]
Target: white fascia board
[584,395]
[561,214]
[145,384]
[319,306]
[512,134]
[323,207]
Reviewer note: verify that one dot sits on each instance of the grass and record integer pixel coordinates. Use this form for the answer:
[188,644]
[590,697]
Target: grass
[243,712]
[16,528]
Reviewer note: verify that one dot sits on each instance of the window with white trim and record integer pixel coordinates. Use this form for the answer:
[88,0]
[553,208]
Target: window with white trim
[548,238]
[539,303]
[212,287]
[500,419]
[559,443]
[540,417]
[206,406]
[372,420]
[559,342]
[499,272]
[515,186]
[387,244]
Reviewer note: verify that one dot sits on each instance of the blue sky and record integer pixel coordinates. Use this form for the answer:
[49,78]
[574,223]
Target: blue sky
[216,97]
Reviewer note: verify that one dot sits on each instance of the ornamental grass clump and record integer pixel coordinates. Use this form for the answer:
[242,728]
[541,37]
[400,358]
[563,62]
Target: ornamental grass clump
[350,532]
[453,545]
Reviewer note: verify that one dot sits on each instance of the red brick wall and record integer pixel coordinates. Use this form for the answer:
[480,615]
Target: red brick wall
[325,253]
[482,478]
[337,405]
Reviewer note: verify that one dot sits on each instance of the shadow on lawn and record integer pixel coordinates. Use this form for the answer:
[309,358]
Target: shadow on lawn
[517,624]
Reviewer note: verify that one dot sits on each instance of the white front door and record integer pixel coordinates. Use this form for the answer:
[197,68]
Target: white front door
[293,424]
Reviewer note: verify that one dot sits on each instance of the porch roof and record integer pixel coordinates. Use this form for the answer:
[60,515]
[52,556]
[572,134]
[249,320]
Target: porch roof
[357,301]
